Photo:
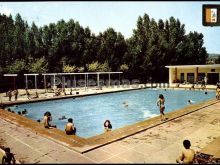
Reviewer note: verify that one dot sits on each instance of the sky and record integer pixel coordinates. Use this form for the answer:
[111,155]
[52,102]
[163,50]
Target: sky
[120,15]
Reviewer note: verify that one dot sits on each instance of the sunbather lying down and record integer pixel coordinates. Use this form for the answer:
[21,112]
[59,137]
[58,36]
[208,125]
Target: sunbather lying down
[58,93]
[203,158]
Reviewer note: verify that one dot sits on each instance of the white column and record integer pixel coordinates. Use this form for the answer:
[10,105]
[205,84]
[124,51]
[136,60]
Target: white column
[35,80]
[109,83]
[26,81]
[170,75]
[85,81]
[54,81]
[63,82]
[119,79]
[75,81]
[45,83]
[98,79]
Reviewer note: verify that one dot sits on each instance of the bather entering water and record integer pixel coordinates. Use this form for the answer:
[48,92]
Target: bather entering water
[107,125]
[46,120]
[70,129]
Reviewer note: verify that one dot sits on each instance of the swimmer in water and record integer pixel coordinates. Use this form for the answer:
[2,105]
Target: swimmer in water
[62,118]
[125,104]
[190,101]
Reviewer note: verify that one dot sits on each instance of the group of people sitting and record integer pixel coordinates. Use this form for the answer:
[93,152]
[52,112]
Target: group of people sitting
[70,129]
[58,92]
[29,95]
[11,93]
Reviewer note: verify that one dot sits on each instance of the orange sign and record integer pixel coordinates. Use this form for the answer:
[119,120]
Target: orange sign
[211,15]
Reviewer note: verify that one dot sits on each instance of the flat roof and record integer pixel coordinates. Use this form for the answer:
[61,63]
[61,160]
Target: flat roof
[194,66]
[49,74]
[31,74]
[10,75]
[88,73]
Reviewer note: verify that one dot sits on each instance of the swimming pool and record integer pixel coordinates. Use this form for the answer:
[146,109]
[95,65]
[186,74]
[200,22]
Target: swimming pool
[121,108]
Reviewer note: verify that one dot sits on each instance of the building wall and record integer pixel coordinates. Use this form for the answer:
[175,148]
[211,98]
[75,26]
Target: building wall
[188,70]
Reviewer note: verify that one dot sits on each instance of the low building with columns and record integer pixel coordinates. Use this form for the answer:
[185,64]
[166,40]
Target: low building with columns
[194,73]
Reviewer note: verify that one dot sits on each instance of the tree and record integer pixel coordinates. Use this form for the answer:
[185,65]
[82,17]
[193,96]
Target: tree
[124,68]
[18,66]
[112,48]
[93,67]
[39,65]
[69,47]
[20,33]
[98,67]
[69,68]
[80,69]
[6,40]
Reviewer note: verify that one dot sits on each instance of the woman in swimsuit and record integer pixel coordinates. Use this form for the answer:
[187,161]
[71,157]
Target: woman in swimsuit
[160,103]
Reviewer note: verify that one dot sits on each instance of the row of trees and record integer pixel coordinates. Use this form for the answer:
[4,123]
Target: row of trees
[68,47]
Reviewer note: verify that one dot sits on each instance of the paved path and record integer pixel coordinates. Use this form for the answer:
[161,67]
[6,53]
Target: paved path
[160,144]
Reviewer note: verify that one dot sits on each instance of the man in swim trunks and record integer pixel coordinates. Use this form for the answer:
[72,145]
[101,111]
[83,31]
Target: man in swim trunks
[8,158]
[187,156]
[16,94]
[9,94]
[70,129]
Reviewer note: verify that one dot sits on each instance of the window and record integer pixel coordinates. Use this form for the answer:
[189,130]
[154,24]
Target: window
[190,77]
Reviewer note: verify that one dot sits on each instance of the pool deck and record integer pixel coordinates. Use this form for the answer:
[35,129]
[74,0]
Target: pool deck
[199,123]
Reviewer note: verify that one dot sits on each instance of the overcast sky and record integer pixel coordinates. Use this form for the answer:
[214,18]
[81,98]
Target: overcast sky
[122,16]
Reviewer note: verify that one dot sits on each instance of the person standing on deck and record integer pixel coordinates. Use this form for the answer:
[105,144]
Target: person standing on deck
[27,93]
[16,94]
[205,79]
[160,103]
[9,94]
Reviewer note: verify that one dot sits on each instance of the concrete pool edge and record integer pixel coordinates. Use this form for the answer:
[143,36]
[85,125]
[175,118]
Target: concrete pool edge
[83,145]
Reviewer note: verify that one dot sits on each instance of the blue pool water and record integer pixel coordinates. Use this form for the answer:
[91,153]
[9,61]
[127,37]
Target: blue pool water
[90,112]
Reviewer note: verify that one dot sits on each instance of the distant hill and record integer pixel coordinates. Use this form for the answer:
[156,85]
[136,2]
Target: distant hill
[213,55]
[212,59]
